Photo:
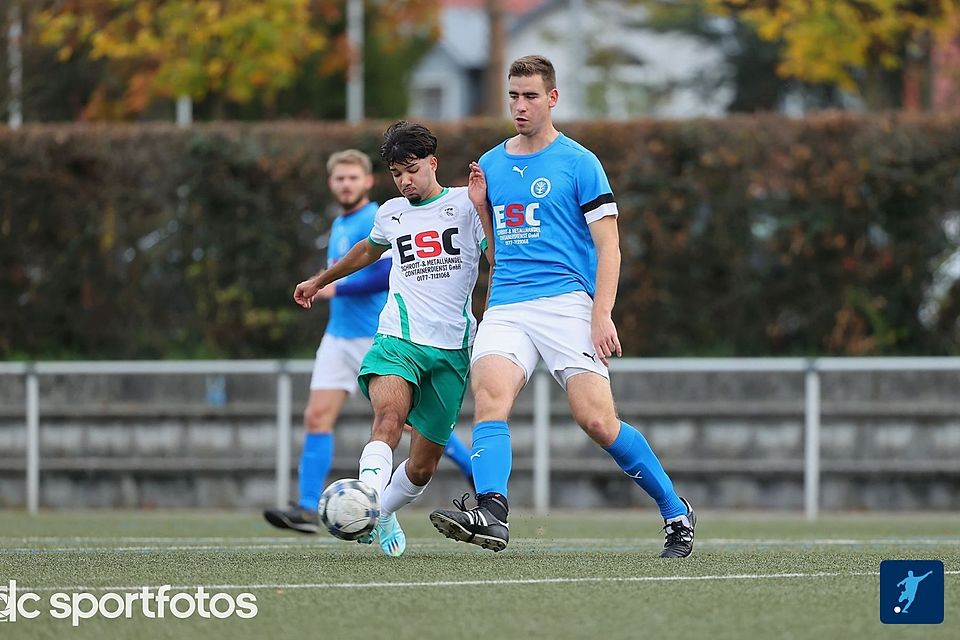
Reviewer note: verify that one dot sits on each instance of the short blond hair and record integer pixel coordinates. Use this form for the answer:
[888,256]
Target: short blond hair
[350,156]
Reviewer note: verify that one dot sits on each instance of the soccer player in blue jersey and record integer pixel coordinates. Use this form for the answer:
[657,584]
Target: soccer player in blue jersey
[553,292]
[355,305]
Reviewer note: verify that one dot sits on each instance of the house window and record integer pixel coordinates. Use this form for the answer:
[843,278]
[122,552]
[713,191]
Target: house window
[431,102]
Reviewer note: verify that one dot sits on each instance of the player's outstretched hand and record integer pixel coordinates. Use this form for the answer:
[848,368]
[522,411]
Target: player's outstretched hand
[477,186]
[605,339]
[304,293]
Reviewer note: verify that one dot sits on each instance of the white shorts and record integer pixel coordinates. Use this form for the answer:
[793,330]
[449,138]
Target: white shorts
[338,362]
[556,329]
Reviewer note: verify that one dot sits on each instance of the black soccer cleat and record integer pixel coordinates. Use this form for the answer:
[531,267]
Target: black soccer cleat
[679,542]
[293,517]
[477,526]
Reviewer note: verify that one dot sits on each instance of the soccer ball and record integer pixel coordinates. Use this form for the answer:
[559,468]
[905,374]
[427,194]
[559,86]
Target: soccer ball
[349,509]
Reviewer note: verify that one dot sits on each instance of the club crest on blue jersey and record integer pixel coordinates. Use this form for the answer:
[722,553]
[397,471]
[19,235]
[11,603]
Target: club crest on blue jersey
[540,188]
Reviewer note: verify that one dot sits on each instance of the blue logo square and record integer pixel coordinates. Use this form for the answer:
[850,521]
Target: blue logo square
[911,592]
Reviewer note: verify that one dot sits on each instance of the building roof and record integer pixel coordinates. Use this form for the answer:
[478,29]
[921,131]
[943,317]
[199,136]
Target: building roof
[512,7]
[464,28]
[464,36]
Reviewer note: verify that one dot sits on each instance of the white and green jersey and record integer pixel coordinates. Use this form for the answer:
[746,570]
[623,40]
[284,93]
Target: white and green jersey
[436,255]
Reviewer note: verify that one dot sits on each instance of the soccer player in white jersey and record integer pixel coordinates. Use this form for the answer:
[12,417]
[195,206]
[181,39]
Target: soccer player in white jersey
[552,296]
[416,372]
[355,306]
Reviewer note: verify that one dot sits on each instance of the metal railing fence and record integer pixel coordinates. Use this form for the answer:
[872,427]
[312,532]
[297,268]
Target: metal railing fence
[542,388]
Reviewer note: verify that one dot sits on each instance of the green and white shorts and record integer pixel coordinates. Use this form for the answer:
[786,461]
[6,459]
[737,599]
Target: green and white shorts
[439,379]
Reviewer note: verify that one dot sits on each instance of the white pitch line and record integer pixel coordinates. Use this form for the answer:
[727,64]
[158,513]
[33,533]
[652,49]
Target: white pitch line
[469,583]
[749,541]
[172,548]
[829,541]
[313,540]
[276,544]
[147,540]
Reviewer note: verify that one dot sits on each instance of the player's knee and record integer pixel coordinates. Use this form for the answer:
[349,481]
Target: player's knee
[420,471]
[318,419]
[489,404]
[602,429]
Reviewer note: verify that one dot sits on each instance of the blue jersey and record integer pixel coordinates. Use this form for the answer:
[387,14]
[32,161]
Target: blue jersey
[542,204]
[354,315]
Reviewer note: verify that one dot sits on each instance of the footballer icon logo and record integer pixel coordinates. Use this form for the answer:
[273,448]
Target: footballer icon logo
[540,188]
[911,591]
[449,211]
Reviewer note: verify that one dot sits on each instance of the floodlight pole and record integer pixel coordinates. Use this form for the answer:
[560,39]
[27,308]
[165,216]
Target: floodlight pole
[15,60]
[355,71]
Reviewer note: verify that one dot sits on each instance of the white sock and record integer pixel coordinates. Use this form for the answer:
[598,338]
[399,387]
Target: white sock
[376,463]
[400,492]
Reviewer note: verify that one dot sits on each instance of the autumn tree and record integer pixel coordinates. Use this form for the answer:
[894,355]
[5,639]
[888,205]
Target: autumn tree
[242,52]
[847,43]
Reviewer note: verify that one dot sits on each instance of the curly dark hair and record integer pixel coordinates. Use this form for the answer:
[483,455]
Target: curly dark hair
[403,141]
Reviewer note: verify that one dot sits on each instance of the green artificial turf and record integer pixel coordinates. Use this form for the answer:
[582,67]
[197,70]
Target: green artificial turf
[569,575]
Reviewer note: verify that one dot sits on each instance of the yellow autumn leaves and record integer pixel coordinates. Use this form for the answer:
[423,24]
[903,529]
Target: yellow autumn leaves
[827,41]
[191,47]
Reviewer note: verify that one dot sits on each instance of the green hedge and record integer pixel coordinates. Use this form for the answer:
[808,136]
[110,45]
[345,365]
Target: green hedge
[745,236]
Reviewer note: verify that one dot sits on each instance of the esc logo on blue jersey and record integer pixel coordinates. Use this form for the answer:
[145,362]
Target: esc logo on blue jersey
[911,592]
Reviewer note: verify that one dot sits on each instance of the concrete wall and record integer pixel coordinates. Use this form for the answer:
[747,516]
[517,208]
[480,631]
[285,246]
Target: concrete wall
[889,441]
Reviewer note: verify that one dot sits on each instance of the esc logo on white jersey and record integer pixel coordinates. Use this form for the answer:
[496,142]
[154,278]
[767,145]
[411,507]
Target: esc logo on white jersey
[516,215]
[427,244]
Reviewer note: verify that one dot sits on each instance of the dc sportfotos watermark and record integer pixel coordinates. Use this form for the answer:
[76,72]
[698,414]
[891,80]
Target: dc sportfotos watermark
[152,603]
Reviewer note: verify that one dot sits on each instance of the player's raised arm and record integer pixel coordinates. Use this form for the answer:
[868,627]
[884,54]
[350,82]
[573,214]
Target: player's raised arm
[606,238]
[477,192]
[362,254]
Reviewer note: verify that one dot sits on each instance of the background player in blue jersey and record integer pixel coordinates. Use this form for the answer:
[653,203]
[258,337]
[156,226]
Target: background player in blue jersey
[553,292]
[355,305]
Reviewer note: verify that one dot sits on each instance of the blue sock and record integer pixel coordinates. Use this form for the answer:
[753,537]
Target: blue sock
[458,452]
[638,461]
[491,457]
[315,462]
